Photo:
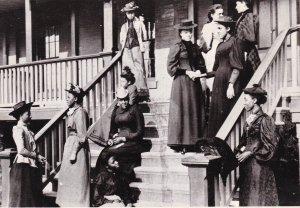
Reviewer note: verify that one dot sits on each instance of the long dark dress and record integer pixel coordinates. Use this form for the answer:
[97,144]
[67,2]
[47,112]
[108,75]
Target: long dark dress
[186,114]
[128,123]
[229,56]
[110,183]
[258,185]
[246,30]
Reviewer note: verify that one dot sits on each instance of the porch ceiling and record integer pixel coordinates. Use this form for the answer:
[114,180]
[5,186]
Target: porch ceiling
[9,5]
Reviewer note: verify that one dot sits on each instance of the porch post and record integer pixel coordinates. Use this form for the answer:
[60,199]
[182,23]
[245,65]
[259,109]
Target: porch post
[28,26]
[202,172]
[108,25]
[73,31]
[6,158]
[191,16]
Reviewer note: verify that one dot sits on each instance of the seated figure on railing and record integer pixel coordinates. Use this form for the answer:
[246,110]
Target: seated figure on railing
[255,153]
[126,135]
[25,176]
[111,185]
[229,75]
[74,175]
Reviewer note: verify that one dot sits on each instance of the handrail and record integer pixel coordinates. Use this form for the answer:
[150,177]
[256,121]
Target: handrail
[260,72]
[88,87]
[55,60]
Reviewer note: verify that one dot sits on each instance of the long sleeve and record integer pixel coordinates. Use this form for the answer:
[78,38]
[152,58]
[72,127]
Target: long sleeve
[236,55]
[18,135]
[140,125]
[201,63]
[113,126]
[268,139]
[207,37]
[80,118]
[243,140]
[123,34]
[133,94]
[144,31]
[247,28]
[173,61]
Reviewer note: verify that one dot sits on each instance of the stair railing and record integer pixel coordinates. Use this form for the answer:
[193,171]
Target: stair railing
[99,94]
[280,63]
[43,82]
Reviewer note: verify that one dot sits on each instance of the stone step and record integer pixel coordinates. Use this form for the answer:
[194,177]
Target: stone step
[162,159]
[158,204]
[150,118]
[158,144]
[158,175]
[161,193]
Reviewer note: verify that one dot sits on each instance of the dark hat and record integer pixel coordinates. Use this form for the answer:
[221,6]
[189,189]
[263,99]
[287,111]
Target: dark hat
[185,25]
[130,7]
[225,20]
[255,90]
[20,108]
[75,90]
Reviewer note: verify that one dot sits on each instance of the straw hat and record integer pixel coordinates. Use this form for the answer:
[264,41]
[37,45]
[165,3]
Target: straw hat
[185,25]
[20,108]
[122,93]
[130,7]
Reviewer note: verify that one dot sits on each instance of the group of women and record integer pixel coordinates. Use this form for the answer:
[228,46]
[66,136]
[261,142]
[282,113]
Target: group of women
[224,44]
[231,58]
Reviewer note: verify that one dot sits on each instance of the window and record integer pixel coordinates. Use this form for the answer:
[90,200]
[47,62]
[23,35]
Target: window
[52,42]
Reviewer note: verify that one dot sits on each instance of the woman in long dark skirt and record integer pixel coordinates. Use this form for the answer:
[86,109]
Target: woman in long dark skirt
[186,114]
[126,135]
[255,153]
[228,72]
[25,176]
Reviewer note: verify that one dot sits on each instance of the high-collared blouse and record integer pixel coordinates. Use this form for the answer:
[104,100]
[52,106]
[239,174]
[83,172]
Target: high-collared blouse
[26,147]
[78,123]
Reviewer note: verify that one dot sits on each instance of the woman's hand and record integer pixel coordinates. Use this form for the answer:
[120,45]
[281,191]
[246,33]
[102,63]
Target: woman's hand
[230,91]
[110,142]
[192,75]
[41,159]
[118,140]
[243,156]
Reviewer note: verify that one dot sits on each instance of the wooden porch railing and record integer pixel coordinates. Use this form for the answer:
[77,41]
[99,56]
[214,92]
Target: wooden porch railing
[272,74]
[99,94]
[45,81]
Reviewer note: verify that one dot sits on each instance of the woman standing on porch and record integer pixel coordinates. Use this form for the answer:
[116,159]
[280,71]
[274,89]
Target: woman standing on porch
[186,114]
[25,176]
[133,32]
[74,174]
[228,73]
[246,30]
[255,152]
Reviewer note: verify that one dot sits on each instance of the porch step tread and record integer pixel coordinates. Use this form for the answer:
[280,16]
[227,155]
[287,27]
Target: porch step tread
[158,204]
[184,188]
[183,170]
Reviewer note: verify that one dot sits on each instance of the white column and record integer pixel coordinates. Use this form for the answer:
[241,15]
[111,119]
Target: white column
[108,25]
[28,26]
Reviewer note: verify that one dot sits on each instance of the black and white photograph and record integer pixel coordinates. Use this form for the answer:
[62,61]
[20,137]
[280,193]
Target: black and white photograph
[149,103]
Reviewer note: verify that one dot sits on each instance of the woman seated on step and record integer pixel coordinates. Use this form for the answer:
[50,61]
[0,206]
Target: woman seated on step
[111,185]
[126,135]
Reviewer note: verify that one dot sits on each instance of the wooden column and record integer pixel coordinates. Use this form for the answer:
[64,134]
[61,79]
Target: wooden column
[4,44]
[73,31]
[108,25]
[6,158]
[28,26]
[191,16]
[202,172]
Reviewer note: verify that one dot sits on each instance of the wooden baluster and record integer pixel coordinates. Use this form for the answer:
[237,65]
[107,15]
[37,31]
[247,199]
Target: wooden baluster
[75,72]
[69,72]
[31,78]
[55,75]
[89,68]
[1,86]
[294,58]
[50,81]
[88,107]
[45,79]
[100,64]
[60,139]
[94,67]
[84,72]
[5,85]
[41,82]
[36,82]
[99,95]
[10,95]
[14,91]
[93,106]
[63,80]
[27,83]
[47,154]
[22,83]
[80,80]
[54,147]
[59,82]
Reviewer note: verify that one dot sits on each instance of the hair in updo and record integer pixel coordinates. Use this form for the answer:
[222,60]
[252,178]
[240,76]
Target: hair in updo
[128,75]
[212,9]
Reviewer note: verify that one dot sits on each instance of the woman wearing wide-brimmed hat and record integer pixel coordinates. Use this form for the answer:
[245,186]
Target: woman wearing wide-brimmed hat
[74,175]
[133,32]
[25,176]
[256,152]
[186,114]
[230,77]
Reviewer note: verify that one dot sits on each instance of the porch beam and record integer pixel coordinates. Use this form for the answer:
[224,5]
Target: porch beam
[28,30]
[73,31]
